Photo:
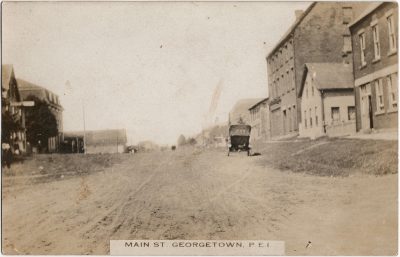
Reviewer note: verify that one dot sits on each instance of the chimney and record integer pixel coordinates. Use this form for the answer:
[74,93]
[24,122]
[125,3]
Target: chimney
[298,13]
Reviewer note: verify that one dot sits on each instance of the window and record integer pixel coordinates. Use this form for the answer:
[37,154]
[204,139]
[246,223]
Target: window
[307,92]
[391,31]
[362,48]
[351,113]
[312,89]
[380,106]
[294,117]
[346,43]
[392,90]
[377,47]
[335,114]
[305,119]
[310,119]
[287,81]
[316,116]
[347,14]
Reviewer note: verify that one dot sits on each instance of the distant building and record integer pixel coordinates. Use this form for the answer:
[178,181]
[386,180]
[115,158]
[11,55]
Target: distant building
[259,121]
[319,35]
[27,90]
[240,112]
[12,114]
[375,64]
[97,141]
[327,100]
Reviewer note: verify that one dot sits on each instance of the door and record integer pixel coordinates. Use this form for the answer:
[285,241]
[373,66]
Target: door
[370,114]
[284,122]
[366,107]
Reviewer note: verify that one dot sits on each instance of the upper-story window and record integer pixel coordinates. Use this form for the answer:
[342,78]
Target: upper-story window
[347,14]
[361,37]
[306,91]
[391,31]
[377,46]
[312,90]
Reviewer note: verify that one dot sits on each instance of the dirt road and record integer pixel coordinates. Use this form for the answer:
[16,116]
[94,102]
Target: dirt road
[197,194]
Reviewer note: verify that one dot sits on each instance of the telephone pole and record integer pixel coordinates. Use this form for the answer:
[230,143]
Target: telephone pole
[84,127]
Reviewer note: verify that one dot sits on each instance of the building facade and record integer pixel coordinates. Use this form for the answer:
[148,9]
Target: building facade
[327,100]
[320,34]
[374,39]
[52,101]
[13,120]
[259,121]
[240,114]
[95,141]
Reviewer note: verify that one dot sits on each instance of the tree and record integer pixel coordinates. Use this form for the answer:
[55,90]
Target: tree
[41,123]
[181,140]
[191,141]
[9,124]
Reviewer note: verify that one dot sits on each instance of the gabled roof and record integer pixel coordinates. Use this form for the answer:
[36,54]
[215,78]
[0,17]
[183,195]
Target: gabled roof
[292,28]
[258,103]
[28,86]
[6,74]
[329,76]
[241,109]
[370,8]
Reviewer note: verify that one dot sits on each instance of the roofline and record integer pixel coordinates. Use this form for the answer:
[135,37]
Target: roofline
[363,15]
[303,78]
[33,87]
[294,26]
[265,99]
[335,89]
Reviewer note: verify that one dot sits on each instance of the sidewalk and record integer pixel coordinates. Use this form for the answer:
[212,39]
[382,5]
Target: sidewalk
[377,135]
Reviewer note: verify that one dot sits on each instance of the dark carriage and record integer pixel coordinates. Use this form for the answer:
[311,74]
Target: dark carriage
[239,139]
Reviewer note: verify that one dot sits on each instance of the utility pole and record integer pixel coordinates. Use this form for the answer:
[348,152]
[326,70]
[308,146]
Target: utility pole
[117,141]
[84,128]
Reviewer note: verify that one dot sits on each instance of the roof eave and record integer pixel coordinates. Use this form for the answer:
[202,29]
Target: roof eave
[252,107]
[362,16]
[295,24]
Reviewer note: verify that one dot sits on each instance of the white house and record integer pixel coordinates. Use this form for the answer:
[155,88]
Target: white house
[327,100]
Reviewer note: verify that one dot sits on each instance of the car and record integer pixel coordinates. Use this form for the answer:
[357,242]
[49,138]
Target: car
[239,139]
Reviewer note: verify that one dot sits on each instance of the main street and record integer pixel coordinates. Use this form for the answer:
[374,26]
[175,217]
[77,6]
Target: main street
[200,194]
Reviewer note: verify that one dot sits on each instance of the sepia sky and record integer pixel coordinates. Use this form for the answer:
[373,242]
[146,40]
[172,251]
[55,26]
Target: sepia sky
[149,67]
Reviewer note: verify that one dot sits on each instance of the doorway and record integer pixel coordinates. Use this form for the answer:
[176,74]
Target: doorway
[367,121]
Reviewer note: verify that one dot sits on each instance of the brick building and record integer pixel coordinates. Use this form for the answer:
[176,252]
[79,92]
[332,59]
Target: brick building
[374,39]
[320,34]
[52,101]
[259,121]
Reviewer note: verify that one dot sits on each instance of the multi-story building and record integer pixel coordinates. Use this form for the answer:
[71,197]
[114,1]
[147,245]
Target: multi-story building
[29,90]
[13,123]
[327,100]
[375,65]
[259,121]
[240,114]
[320,34]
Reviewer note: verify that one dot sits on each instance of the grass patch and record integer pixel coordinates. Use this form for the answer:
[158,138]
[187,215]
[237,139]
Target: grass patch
[45,167]
[332,156]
